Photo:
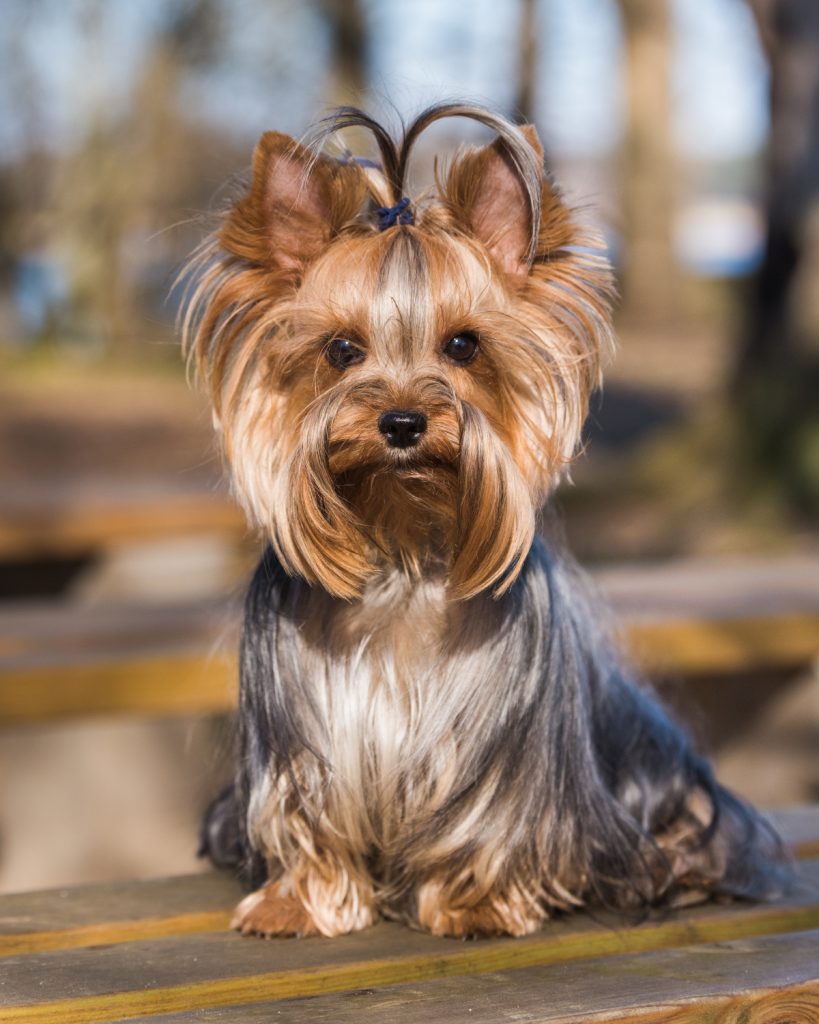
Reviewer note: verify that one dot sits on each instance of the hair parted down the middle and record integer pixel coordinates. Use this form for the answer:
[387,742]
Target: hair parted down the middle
[299,260]
[467,766]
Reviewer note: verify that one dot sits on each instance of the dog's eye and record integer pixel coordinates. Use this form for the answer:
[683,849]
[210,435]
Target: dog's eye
[461,348]
[341,353]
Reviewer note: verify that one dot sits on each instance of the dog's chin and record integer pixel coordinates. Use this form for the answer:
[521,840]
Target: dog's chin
[401,464]
[408,464]
[400,480]
[405,500]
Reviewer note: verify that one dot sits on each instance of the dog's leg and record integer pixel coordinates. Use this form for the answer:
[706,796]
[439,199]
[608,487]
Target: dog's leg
[273,910]
[318,883]
[443,910]
[315,883]
[316,897]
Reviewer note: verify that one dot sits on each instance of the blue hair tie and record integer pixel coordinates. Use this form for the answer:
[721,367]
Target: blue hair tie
[398,214]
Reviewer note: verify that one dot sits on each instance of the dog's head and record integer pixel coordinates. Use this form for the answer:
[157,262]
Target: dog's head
[393,380]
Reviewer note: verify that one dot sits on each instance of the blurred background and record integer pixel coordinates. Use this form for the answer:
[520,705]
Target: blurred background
[687,130]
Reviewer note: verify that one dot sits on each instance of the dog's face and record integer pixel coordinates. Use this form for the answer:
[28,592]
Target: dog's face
[407,394]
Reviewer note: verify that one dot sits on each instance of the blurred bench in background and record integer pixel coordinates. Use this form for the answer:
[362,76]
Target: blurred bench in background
[120,539]
[681,619]
[52,520]
[160,950]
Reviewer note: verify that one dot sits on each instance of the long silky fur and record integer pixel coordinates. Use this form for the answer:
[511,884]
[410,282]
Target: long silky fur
[517,759]
[433,725]
[252,318]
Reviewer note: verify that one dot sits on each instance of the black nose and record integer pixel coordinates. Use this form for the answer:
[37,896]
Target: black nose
[401,427]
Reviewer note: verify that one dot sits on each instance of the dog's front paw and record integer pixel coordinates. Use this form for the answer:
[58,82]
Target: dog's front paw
[273,910]
[496,914]
[477,923]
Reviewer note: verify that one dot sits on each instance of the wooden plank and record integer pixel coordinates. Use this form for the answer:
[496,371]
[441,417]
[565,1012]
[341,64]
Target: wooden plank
[196,681]
[63,520]
[771,979]
[90,915]
[56,632]
[698,646]
[130,911]
[58,662]
[61,663]
[799,827]
[219,969]
[164,683]
[712,588]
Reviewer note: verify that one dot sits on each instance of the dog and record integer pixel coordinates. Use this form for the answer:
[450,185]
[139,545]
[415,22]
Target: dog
[433,724]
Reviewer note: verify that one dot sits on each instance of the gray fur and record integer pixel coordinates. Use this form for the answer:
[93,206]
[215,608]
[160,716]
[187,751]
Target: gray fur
[509,729]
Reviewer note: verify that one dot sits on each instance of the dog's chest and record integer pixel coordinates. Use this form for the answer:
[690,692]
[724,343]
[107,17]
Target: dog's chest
[391,647]
[377,689]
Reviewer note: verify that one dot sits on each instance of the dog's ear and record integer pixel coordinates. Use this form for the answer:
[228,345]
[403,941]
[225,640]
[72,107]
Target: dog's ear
[489,197]
[297,202]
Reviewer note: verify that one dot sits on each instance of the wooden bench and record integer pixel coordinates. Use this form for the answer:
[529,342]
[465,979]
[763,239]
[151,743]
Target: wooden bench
[682,619]
[54,520]
[160,950]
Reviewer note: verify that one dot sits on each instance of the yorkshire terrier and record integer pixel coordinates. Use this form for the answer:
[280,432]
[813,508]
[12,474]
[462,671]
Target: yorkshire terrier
[433,726]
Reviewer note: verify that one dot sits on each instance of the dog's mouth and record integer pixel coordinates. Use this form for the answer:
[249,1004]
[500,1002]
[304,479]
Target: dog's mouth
[415,461]
[403,501]
[357,460]
[406,489]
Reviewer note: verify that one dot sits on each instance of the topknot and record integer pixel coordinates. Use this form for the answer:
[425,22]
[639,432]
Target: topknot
[395,155]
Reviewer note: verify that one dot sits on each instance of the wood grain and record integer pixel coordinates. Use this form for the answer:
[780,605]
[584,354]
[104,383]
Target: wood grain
[130,911]
[791,1004]
[115,912]
[199,972]
[772,980]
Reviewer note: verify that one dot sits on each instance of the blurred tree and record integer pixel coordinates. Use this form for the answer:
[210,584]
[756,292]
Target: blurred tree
[349,51]
[129,176]
[650,276]
[22,172]
[147,146]
[776,379]
[528,52]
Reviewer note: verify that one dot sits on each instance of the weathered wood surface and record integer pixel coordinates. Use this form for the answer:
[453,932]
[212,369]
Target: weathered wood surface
[160,950]
[123,912]
[681,619]
[57,520]
[110,912]
[218,969]
[772,980]
[799,827]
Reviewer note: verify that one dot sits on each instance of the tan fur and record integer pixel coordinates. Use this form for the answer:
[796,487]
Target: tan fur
[410,534]
[388,741]
[292,426]
[442,913]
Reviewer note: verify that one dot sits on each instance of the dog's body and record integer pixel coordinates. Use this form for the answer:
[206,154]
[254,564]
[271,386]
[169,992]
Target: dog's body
[433,725]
